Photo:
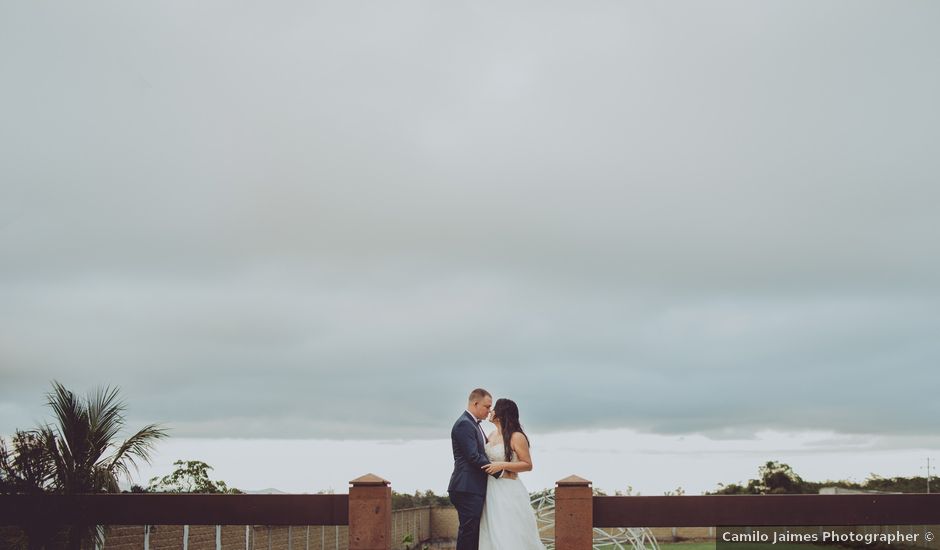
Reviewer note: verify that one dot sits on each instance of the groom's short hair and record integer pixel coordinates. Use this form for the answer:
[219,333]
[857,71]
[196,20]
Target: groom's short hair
[478,394]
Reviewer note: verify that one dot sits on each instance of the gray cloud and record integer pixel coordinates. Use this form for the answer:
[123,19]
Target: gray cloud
[324,220]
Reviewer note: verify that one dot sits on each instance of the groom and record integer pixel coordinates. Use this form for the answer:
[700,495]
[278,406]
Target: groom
[467,487]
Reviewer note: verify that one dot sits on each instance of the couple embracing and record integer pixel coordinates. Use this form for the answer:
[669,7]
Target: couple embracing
[491,501]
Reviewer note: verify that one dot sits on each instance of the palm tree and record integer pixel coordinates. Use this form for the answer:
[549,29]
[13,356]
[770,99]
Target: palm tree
[84,450]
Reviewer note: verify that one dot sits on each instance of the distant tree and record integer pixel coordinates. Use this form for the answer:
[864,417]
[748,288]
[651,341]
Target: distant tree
[628,492]
[874,482]
[190,476]
[401,501]
[917,484]
[731,489]
[773,478]
[777,478]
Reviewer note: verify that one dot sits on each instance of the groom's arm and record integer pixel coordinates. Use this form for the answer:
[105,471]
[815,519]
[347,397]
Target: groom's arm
[466,438]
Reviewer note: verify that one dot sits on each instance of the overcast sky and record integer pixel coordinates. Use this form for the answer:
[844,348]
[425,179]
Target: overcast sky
[310,220]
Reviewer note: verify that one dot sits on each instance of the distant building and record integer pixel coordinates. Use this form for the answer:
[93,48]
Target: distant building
[844,491]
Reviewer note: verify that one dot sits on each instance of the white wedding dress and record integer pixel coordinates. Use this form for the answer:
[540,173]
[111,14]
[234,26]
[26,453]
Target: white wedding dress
[508,521]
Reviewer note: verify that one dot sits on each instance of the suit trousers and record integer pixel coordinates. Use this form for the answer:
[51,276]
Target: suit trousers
[469,511]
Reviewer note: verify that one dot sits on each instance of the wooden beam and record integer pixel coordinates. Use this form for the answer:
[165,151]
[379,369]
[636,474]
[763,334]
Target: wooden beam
[175,509]
[744,510]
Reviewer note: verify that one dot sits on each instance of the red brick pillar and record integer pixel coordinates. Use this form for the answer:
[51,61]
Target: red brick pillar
[574,514]
[370,514]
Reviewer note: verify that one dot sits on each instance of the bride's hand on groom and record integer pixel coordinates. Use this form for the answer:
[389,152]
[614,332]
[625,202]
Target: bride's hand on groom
[494,467]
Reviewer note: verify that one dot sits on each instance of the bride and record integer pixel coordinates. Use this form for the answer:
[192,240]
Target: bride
[508,521]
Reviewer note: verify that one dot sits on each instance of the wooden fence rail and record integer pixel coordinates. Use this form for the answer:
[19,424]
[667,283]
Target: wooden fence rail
[367,511]
[577,511]
[754,510]
[176,509]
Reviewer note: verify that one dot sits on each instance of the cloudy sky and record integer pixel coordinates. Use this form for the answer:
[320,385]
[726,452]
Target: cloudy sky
[322,222]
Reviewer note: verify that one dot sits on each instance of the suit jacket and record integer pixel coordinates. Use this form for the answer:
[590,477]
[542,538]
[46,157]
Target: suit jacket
[469,456]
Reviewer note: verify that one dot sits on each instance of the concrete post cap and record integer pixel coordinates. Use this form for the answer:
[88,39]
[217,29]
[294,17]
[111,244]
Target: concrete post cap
[573,481]
[369,480]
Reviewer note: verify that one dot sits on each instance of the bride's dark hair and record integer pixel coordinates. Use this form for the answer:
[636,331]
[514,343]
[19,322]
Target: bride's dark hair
[506,411]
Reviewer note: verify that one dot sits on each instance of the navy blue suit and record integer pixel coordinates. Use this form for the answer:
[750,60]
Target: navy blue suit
[467,486]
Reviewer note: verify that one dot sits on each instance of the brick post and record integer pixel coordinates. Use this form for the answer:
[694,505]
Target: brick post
[574,514]
[370,513]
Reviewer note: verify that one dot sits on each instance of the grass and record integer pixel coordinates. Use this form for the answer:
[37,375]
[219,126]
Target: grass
[738,546]
[759,546]
[688,546]
[679,546]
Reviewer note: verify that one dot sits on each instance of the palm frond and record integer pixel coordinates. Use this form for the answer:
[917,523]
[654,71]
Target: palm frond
[105,420]
[139,446]
[72,425]
[62,476]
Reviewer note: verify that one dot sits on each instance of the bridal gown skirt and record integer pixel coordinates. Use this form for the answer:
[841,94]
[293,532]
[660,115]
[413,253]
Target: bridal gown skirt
[508,521]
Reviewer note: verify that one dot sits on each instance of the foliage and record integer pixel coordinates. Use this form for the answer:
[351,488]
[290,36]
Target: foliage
[628,492]
[408,540]
[897,484]
[24,467]
[190,476]
[778,478]
[774,478]
[401,501]
[875,482]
